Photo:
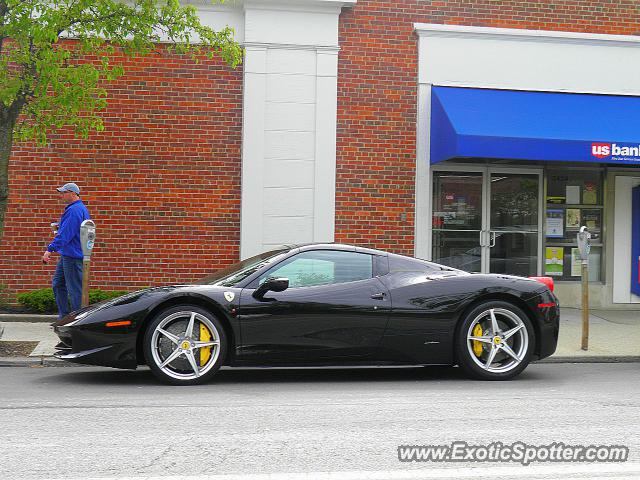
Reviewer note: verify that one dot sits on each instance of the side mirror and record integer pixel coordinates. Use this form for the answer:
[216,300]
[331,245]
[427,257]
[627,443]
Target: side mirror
[271,284]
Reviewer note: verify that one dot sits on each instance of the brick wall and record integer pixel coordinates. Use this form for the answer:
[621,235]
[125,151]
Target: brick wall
[162,182]
[168,164]
[377,97]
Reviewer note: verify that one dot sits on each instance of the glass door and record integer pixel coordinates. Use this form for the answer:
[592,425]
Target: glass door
[514,223]
[457,219]
[487,219]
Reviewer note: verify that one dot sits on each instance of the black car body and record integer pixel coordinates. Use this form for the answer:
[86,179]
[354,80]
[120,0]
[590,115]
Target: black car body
[398,310]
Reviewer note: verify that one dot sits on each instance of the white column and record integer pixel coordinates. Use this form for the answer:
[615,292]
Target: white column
[324,204]
[289,134]
[423,214]
[253,113]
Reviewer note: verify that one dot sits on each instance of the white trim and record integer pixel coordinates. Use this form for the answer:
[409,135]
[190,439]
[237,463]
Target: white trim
[293,46]
[253,123]
[534,60]
[269,4]
[422,220]
[324,200]
[431,29]
[290,118]
[306,5]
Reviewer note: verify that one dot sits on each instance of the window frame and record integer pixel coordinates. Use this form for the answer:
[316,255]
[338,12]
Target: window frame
[375,265]
[600,244]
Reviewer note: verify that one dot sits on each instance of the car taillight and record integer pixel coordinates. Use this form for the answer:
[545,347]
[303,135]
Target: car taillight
[548,281]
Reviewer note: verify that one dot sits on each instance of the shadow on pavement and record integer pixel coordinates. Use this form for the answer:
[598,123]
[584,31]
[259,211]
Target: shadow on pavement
[236,376]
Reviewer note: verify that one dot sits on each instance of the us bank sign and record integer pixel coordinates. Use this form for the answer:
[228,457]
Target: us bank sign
[616,152]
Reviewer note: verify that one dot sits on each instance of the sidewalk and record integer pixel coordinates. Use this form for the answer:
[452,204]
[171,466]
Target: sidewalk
[614,336]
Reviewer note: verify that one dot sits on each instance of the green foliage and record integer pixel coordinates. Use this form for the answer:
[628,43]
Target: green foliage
[43,301]
[42,77]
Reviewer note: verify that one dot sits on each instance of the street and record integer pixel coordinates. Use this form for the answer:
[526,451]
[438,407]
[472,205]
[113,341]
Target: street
[77,422]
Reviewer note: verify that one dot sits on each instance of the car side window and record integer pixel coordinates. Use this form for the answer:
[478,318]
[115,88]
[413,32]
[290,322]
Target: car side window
[323,267]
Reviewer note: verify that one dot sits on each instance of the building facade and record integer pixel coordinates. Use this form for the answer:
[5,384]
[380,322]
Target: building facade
[476,134]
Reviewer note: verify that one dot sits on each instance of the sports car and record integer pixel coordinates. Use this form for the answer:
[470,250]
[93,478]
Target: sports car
[321,305]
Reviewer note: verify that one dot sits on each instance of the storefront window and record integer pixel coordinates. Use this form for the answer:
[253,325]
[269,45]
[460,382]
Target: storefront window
[574,199]
[487,220]
[457,219]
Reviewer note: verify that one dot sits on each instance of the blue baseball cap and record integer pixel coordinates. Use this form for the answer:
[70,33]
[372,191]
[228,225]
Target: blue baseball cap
[69,187]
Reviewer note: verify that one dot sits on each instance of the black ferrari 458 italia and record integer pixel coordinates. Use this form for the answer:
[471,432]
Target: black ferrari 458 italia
[321,304]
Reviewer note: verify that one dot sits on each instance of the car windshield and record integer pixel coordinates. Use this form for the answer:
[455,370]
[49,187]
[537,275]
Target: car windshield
[233,274]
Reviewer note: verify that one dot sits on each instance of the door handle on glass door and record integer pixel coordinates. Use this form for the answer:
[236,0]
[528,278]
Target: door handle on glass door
[493,240]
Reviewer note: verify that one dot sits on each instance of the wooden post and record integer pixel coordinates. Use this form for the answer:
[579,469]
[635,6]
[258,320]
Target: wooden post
[585,305]
[85,282]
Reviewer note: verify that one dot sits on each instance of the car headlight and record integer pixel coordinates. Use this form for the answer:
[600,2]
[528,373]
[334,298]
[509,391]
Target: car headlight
[116,301]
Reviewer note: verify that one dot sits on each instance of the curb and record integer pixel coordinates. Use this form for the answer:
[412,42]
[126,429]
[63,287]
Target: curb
[592,359]
[45,361]
[36,362]
[27,317]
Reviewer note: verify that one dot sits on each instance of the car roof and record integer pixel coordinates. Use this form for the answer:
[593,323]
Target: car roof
[352,248]
[336,246]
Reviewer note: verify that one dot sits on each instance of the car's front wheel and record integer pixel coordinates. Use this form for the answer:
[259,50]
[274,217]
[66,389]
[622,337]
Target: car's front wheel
[185,345]
[495,341]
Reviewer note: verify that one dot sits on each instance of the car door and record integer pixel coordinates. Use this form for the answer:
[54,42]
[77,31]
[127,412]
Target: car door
[334,309]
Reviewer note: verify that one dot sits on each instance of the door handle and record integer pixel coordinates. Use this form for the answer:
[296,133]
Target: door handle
[378,296]
[493,240]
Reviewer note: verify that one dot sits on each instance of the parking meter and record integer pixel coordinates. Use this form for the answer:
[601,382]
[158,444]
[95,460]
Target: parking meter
[87,240]
[87,237]
[584,244]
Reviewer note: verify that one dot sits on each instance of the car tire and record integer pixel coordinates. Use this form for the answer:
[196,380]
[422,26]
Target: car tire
[185,345]
[506,340]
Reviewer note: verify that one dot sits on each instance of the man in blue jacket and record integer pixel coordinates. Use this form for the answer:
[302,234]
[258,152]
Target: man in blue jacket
[67,281]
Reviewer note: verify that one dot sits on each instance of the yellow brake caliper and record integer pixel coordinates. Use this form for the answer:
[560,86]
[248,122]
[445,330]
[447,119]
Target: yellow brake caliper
[205,352]
[477,346]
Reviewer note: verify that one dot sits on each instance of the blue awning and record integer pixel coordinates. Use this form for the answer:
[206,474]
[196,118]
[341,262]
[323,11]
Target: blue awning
[519,125]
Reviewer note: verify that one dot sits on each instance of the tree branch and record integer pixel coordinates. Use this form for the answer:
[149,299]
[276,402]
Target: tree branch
[4,9]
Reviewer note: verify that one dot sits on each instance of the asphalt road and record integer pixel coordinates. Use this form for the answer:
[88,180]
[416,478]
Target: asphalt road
[91,422]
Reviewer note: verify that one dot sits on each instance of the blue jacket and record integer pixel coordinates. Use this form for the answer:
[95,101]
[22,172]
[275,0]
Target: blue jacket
[67,241]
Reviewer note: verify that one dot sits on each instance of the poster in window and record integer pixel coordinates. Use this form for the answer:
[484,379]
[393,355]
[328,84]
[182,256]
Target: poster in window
[554,260]
[573,218]
[576,263]
[555,223]
[590,193]
[591,219]
[573,194]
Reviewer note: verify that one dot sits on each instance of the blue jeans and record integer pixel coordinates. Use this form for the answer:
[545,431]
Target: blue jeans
[67,284]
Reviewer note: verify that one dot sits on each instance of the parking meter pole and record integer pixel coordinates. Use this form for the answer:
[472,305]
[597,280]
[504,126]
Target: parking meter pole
[585,305]
[87,240]
[584,246]
[85,282]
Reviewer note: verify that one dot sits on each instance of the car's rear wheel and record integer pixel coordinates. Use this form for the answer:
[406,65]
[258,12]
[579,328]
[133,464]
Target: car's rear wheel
[495,341]
[185,345]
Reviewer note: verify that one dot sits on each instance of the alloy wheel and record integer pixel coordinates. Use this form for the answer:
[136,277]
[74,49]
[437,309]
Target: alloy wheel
[185,345]
[497,340]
